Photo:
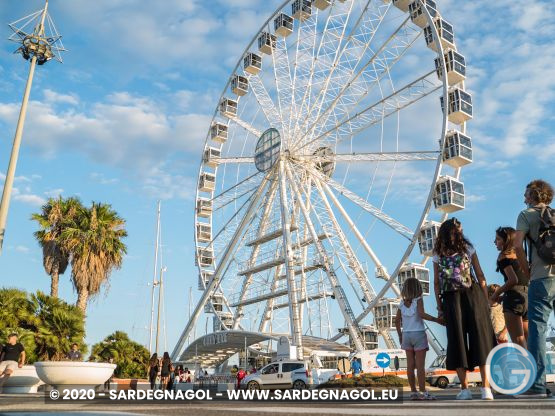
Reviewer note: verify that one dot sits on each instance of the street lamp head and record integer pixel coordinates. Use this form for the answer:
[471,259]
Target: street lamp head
[43,42]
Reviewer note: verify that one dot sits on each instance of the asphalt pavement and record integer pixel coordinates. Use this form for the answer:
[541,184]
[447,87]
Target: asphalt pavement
[22,405]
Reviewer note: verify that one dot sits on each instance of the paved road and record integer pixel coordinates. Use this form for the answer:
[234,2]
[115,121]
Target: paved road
[502,406]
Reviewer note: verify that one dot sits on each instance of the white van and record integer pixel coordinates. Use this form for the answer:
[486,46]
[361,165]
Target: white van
[437,375]
[397,363]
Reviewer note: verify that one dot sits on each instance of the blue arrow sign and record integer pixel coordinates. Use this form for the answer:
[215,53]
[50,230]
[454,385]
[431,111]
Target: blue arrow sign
[383,359]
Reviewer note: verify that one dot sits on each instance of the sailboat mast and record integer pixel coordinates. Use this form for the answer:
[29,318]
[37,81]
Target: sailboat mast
[154,281]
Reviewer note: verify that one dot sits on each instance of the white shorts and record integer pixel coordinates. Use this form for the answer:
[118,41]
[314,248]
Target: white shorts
[8,365]
[415,341]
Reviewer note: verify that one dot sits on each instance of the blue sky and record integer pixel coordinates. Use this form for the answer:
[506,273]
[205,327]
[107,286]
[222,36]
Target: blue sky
[123,121]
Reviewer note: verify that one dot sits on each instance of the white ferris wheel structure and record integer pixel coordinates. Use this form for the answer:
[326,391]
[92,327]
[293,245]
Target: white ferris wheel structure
[333,156]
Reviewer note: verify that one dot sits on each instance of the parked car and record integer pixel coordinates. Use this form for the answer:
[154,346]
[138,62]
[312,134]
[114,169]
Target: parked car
[279,375]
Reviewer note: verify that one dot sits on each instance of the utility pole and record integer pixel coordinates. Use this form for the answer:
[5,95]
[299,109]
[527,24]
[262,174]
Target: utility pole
[38,48]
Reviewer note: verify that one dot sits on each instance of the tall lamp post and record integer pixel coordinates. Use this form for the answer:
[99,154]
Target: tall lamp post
[39,46]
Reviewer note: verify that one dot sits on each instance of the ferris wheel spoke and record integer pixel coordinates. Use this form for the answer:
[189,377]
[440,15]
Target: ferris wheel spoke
[334,44]
[362,241]
[347,60]
[343,248]
[362,203]
[375,113]
[241,188]
[332,36]
[424,156]
[264,100]
[235,159]
[368,76]
[303,64]
[284,84]
[245,125]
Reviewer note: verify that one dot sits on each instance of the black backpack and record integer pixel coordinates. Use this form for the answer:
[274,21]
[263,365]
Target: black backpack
[545,244]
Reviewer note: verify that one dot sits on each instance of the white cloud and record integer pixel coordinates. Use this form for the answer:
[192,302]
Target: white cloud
[30,199]
[54,97]
[22,249]
[54,193]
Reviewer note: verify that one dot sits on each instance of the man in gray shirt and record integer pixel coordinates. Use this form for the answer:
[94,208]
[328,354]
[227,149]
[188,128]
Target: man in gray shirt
[541,293]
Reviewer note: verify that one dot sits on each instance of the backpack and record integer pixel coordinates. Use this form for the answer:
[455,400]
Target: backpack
[454,272]
[545,244]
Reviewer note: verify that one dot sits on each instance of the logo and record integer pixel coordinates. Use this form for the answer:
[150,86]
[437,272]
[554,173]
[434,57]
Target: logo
[511,369]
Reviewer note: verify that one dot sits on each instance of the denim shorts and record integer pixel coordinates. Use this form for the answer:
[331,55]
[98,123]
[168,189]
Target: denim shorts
[415,341]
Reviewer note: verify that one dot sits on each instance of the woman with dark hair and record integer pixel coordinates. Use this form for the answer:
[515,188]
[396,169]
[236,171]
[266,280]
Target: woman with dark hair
[462,299]
[167,368]
[153,368]
[515,289]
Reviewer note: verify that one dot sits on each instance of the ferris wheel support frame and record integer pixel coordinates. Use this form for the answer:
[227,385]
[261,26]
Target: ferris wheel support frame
[256,250]
[294,318]
[214,282]
[324,258]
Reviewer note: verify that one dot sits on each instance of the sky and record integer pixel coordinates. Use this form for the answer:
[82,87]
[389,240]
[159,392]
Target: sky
[123,121]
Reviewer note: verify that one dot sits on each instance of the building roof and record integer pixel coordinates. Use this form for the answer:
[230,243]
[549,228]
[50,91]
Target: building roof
[213,349]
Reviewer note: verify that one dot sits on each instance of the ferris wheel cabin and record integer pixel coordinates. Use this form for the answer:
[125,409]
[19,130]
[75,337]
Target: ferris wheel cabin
[301,9]
[321,4]
[401,4]
[204,207]
[207,182]
[427,237]
[218,132]
[449,195]
[460,106]
[240,85]
[228,107]
[217,301]
[418,16]
[211,156]
[417,271]
[369,336]
[204,232]
[267,43]
[252,63]
[223,323]
[385,312]
[205,257]
[283,25]
[458,149]
[381,273]
[204,278]
[456,67]
[445,32]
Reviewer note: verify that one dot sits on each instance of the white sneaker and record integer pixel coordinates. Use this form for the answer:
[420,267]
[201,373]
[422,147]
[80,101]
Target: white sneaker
[486,393]
[464,394]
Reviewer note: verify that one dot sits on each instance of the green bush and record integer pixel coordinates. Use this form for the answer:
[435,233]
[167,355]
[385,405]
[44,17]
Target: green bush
[130,357]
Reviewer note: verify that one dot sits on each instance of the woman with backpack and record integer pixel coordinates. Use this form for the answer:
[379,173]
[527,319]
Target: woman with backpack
[462,299]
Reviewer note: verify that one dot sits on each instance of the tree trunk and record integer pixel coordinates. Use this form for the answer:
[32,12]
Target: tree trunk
[82,298]
[55,278]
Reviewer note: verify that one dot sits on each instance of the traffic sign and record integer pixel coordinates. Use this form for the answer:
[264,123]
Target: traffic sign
[383,359]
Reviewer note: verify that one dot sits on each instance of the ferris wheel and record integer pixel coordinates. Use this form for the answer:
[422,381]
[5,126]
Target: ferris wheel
[333,156]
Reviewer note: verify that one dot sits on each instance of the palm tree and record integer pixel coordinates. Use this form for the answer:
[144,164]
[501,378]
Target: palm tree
[54,216]
[60,325]
[95,243]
